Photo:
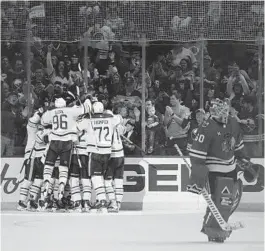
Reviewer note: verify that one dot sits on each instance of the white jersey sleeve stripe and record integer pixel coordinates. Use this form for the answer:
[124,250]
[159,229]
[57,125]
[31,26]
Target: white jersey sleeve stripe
[197,156]
[198,152]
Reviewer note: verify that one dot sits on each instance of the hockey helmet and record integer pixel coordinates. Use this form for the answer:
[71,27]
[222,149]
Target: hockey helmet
[98,107]
[220,110]
[59,103]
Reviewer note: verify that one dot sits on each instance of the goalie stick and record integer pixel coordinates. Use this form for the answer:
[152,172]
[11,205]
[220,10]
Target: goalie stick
[222,223]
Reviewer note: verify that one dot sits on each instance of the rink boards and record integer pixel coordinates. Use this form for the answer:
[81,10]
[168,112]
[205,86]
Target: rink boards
[149,184]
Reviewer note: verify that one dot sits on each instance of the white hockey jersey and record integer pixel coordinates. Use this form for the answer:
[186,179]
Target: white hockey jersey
[63,121]
[40,145]
[100,129]
[81,147]
[32,128]
[117,147]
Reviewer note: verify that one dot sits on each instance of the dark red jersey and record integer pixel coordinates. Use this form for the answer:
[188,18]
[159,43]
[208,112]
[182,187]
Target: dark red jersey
[216,145]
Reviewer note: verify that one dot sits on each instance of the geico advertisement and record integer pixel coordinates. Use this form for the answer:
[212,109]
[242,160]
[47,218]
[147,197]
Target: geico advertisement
[140,176]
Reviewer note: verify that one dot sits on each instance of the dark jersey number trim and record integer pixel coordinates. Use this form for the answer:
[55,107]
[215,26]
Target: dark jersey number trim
[59,122]
[105,131]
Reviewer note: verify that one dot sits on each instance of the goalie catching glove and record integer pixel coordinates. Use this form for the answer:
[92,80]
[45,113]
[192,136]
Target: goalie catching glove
[251,171]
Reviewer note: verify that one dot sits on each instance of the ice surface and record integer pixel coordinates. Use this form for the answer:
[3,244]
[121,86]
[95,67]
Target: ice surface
[126,231]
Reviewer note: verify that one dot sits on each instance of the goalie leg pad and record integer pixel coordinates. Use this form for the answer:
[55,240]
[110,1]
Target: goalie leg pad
[222,195]
[237,195]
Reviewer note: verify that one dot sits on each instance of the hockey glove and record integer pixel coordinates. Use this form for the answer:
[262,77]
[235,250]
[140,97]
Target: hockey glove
[198,179]
[251,171]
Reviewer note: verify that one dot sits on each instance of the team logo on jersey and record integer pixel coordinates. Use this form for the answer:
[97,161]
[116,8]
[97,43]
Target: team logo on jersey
[205,124]
[194,133]
[228,143]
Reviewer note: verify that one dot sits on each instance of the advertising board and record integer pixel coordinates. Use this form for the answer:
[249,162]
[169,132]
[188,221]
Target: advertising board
[151,183]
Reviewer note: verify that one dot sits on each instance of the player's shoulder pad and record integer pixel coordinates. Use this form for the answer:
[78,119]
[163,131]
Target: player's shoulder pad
[102,116]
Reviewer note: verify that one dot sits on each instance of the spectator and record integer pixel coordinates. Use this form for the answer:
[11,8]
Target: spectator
[130,88]
[5,67]
[17,71]
[131,134]
[237,76]
[248,118]
[179,53]
[12,120]
[174,115]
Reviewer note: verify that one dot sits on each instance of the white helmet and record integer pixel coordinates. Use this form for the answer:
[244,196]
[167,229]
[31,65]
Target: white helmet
[59,103]
[108,112]
[98,107]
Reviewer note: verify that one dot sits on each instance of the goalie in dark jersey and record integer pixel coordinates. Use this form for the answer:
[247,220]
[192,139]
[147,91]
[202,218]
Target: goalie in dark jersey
[216,154]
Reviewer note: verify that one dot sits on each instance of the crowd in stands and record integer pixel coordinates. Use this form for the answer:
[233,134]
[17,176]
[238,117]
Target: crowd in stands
[114,76]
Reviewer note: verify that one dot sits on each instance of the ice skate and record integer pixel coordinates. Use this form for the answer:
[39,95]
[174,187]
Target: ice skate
[33,206]
[42,207]
[100,207]
[217,240]
[22,206]
[87,206]
[76,207]
[113,207]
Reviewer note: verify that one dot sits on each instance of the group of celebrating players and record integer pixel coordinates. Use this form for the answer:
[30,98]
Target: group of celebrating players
[70,149]
[74,148]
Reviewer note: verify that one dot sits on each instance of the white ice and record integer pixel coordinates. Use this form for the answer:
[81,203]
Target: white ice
[126,231]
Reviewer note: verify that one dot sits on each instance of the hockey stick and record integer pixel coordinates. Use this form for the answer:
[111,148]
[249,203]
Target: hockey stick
[141,150]
[78,158]
[222,223]
[22,168]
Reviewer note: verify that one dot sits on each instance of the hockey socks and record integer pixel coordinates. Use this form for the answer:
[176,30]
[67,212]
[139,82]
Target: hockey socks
[109,190]
[118,184]
[75,189]
[98,184]
[63,175]
[35,189]
[87,187]
[24,190]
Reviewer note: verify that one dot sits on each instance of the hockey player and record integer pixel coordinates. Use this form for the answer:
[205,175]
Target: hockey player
[103,126]
[115,170]
[38,152]
[62,136]
[32,128]
[213,154]
[79,171]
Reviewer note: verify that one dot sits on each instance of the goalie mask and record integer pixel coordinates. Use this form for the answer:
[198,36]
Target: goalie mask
[220,110]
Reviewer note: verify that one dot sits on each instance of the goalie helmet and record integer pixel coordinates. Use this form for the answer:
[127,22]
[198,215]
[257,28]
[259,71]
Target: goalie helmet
[98,107]
[59,103]
[220,110]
